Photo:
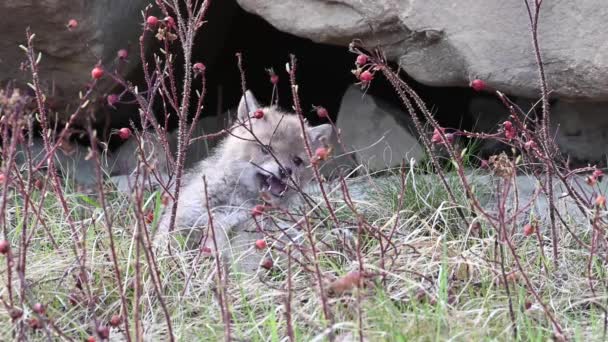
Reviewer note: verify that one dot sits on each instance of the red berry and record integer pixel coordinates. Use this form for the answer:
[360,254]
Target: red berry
[152,21]
[598,173]
[4,247]
[529,144]
[529,229]
[103,331]
[170,22]
[91,339]
[449,137]
[477,85]
[38,308]
[34,323]
[97,72]
[267,263]
[124,133]
[510,131]
[115,320]
[205,250]
[198,67]
[436,138]
[258,114]
[322,153]
[600,201]
[15,313]
[112,99]
[72,24]
[258,210]
[122,53]
[366,77]
[528,305]
[2,178]
[322,112]
[165,200]
[274,78]
[513,277]
[421,295]
[260,244]
[361,59]
[149,217]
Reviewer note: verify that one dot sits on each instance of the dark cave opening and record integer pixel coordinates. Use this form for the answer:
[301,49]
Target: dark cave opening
[323,75]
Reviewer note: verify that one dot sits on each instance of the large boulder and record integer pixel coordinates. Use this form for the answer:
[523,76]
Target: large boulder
[581,129]
[379,134]
[104,27]
[447,43]
[73,164]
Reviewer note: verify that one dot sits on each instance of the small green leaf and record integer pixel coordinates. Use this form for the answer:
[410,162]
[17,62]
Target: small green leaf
[89,200]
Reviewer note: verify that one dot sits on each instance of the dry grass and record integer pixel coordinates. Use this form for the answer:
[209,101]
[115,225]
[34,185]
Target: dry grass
[431,253]
[439,281]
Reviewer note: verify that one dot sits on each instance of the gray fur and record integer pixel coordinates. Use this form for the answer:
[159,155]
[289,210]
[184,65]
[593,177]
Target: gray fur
[247,105]
[232,174]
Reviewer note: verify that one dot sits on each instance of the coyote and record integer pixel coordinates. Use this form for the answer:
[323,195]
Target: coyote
[262,160]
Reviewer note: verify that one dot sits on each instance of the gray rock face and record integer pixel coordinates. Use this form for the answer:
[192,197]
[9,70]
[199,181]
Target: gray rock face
[448,43]
[71,165]
[529,201]
[123,163]
[375,131]
[104,27]
[581,129]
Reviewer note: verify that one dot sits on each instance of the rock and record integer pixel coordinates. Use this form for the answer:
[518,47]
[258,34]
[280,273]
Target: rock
[104,27]
[582,129]
[447,43]
[487,113]
[579,127]
[532,201]
[379,133]
[71,163]
[125,159]
[341,163]
[122,163]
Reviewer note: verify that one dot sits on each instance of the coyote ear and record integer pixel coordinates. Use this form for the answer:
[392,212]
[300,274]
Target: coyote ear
[247,105]
[320,135]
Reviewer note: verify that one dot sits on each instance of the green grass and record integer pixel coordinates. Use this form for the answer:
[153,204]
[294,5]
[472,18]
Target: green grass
[440,283]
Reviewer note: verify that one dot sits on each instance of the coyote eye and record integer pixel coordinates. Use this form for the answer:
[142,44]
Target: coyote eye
[297,160]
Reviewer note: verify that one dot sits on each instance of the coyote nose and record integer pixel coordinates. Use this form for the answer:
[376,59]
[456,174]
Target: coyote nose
[285,172]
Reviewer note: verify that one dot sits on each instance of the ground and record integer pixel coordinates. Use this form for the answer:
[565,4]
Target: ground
[426,274]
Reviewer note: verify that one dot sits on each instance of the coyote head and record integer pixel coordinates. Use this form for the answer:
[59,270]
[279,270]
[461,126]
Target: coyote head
[270,150]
